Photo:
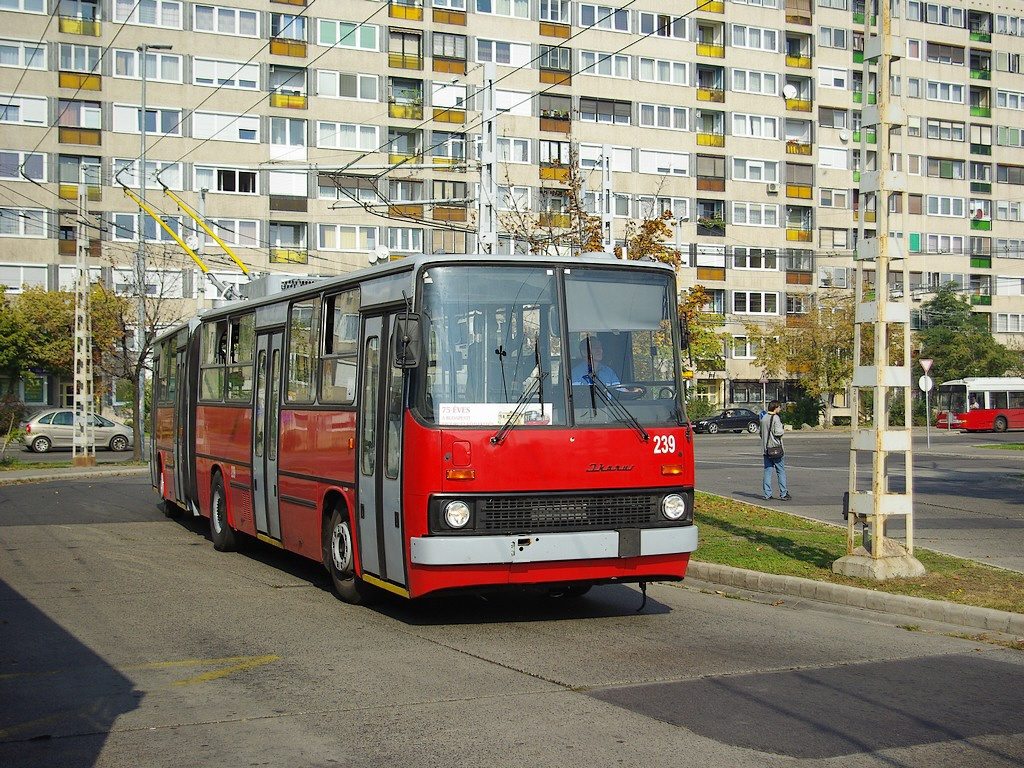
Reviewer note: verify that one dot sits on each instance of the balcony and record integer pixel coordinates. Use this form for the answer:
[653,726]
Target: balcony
[283,47]
[550,29]
[981,187]
[290,2]
[800,62]
[70,192]
[408,210]
[288,100]
[557,220]
[977,111]
[72,26]
[711,94]
[555,77]
[980,261]
[80,82]
[449,115]
[405,11]
[554,172]
[712,6]
[714,51]
[711,227]
[984,225]
[981,149]
[981,74]
[441,16]
[449,163]
[450,213]
[405,111]
[794,147]
[711,139]
[395,158]
[799,278]
[90,136]
[452,66]
[981,299]
[858,97]
[800,235]
[710,184]
[405,61]
[800,191]
[799,105]
[288,256]
[555,124]
[710,273]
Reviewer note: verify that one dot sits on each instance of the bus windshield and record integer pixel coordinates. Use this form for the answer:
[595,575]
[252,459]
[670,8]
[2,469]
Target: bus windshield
[500,345]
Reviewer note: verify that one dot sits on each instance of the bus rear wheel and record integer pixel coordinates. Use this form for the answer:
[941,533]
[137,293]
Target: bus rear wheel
[339,560]
[223,535]
[1000,424]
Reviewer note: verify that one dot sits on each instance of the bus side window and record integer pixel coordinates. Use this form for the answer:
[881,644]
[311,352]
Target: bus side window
[302,350]
[338,372]
[997,399]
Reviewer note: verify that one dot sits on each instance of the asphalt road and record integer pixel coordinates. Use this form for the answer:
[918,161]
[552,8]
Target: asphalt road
[126,640]
[968,500]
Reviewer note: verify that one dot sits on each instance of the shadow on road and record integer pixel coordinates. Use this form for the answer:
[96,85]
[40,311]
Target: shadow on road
[60,700]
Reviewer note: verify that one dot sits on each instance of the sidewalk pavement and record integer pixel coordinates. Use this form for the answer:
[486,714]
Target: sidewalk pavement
[985,619]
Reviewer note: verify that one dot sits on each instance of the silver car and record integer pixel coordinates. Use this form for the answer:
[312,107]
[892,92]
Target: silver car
[56,429]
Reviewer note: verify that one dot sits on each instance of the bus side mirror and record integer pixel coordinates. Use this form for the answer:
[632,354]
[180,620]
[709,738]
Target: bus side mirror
[407,341]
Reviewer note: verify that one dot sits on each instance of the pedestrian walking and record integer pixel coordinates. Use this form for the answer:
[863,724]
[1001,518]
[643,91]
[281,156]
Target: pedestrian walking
[773,451]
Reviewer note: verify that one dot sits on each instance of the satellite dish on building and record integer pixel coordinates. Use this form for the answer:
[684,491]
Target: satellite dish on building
[844,135]
[379,254]
[789,91]
[192,242]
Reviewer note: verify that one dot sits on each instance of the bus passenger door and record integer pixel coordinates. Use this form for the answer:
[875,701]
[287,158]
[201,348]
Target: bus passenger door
[182,437]
[379,517]
[265,503]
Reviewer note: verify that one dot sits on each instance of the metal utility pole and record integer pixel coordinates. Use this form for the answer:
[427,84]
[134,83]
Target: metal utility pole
[487,220]
[83,446]
[887,324]
[606,197]
[140,260]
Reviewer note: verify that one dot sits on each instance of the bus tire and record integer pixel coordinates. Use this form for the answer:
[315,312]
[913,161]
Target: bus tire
[171,509]
[339,560]
[224,538]
[1000,424]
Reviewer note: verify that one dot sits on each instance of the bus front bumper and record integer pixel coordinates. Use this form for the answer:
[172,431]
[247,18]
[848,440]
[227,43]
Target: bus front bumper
[552,547]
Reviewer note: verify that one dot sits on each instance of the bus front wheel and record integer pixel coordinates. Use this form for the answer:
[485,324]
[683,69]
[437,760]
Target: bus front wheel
[339,560]
[224,538]
[1000,424]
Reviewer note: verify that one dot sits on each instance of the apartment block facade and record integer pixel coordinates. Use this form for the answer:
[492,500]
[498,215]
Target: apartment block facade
[316,136]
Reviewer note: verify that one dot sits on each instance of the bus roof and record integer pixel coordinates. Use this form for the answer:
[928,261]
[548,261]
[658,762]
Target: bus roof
[987,382]
[410,265]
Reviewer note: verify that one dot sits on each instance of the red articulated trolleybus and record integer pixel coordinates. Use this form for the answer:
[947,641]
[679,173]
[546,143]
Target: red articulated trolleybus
[981,404]
[440,423]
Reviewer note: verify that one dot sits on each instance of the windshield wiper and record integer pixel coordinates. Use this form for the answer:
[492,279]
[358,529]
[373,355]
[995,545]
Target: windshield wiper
[619,411]
[535,385]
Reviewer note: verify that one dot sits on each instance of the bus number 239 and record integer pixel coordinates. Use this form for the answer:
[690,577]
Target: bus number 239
[664,444]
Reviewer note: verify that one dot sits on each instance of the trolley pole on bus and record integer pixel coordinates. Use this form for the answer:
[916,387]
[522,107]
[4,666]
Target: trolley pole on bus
[880,325]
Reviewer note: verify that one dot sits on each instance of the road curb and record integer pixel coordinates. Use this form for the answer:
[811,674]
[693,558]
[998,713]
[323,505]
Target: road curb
[987,619]
[19,476]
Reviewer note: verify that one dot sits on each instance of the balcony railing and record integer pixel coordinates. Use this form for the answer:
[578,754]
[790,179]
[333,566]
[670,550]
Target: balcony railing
[711,139]
[714,51]
[800,62]
[711,94]
[288,256]
[405,111]
[288,100]
[71,26]
[284,47]
[799,105]
[80,82]
[405,61]
[402,11]
[794,147]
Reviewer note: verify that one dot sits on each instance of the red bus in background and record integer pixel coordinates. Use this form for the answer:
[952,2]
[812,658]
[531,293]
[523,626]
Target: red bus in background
[440,423]
[981,404]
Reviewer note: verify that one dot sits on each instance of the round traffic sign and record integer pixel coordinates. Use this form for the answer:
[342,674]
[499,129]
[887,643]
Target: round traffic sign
[925,383]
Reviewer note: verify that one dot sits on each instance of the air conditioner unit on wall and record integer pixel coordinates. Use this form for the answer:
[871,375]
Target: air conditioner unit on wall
[772,187]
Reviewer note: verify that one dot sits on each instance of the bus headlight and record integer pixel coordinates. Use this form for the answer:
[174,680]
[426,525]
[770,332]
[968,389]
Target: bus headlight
[673,506]
[456,514]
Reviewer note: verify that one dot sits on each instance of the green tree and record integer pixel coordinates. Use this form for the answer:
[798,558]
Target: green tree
[14,342]
[958,339]
[817,348]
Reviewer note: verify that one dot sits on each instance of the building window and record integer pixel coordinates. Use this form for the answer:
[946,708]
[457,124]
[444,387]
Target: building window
[755,303]
[222,20]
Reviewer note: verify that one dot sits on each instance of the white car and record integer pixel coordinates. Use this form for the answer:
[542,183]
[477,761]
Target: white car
[56,429]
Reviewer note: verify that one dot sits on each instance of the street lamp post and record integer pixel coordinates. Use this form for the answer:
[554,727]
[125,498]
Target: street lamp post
[140,261]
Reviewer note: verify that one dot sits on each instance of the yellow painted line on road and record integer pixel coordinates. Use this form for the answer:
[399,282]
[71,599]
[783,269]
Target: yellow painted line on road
[237,664]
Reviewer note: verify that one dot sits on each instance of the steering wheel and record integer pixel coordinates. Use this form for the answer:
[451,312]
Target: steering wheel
[629,391]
